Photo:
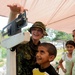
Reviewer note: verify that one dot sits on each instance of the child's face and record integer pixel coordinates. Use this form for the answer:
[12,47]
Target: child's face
[42,56]
[70,48]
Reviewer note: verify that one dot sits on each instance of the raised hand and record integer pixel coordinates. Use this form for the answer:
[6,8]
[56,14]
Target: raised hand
[17,8]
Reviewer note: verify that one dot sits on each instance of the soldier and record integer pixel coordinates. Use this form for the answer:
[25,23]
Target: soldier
[25,53]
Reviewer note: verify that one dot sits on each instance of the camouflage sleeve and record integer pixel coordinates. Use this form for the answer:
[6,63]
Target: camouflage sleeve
[19,57]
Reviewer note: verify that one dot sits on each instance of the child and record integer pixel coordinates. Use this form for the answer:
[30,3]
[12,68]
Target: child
[67,57]
[46,53]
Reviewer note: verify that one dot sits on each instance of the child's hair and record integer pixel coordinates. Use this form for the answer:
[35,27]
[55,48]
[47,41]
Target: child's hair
[70,42]
[50,47]
[73,30]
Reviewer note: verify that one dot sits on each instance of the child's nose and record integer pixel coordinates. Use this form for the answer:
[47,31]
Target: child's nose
[38,54]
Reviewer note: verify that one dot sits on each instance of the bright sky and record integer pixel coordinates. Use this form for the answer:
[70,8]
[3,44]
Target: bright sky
[4,21]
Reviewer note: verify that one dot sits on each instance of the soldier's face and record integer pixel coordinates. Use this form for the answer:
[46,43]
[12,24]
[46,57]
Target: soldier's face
[37,33]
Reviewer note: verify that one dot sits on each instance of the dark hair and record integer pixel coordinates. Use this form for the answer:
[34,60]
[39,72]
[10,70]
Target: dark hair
[50,47]
[73,30]
[73,34]
[70,42]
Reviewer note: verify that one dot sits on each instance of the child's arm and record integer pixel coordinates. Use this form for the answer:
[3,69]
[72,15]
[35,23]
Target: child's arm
[61,66]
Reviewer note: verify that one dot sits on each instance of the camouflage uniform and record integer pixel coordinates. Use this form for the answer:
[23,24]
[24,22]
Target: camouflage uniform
[26,58]
[25,53]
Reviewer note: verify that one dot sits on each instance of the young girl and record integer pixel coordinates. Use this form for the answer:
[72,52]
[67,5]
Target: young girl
[67,57]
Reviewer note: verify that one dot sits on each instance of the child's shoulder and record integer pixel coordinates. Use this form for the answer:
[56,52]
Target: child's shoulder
[52,70]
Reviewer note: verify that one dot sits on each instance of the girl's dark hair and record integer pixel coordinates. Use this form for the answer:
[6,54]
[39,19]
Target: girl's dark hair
[50,47]
[70,42]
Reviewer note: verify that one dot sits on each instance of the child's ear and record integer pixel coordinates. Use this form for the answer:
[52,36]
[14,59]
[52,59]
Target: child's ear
[52,57]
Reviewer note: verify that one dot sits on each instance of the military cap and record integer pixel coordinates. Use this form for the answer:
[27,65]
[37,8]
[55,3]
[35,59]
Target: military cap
[39,24]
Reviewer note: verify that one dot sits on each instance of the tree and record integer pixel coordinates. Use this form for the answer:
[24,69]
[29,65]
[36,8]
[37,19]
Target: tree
[62,36]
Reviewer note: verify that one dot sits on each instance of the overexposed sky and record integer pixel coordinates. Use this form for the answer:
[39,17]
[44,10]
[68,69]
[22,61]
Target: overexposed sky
[3,22]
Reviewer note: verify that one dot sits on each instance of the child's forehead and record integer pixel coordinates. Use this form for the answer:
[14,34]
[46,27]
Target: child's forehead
[42,47]
[70,45]
[36,28]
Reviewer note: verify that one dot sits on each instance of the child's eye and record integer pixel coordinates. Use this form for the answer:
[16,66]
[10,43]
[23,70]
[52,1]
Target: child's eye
[69,46]
[42,52]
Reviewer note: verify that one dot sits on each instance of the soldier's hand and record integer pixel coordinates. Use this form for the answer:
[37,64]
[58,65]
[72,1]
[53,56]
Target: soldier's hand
[16,8]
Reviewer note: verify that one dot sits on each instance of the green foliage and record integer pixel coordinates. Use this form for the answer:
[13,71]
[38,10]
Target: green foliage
[62,36]
[58,35]
[1,62]
[3,52]
[59,54]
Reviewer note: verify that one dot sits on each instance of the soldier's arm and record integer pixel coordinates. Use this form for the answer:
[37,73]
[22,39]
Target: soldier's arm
[15,10]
